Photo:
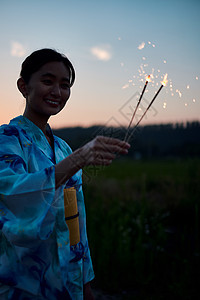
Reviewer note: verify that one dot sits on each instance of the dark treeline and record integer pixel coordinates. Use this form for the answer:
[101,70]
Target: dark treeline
[151,141]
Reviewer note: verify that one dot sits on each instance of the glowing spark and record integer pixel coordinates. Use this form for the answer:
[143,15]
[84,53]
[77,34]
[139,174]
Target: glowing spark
[141,46]
[125,86]
[194,100]
[197,78]
[144,58]
[153,45]
[164,82]
[179,93]
[188,87]
[148,78]
[186,104]
[164,61]
[122,64]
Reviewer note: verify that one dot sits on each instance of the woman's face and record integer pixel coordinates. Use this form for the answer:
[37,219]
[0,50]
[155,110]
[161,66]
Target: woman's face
[48,89]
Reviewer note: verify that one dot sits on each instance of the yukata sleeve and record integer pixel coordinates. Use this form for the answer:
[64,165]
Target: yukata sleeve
[26,213]
[88,272]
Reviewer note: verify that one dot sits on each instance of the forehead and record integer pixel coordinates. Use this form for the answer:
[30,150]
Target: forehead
[56,69]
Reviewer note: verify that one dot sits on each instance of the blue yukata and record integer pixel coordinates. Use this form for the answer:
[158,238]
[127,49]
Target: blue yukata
[36,259]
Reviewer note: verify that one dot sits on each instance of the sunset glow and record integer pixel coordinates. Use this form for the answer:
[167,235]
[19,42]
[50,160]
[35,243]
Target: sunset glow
[114,51]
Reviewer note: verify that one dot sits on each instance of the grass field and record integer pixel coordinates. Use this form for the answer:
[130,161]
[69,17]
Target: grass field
[143,225]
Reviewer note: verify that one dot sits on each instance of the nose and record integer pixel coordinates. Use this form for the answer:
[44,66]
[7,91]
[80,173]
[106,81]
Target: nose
[56,92]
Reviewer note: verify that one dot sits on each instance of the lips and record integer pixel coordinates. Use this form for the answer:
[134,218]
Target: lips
[52,102]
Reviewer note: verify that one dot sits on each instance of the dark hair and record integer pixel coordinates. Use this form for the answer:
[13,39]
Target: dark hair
[39,58]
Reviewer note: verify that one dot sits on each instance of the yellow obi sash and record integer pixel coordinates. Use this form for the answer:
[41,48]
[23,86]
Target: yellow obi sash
[72,215]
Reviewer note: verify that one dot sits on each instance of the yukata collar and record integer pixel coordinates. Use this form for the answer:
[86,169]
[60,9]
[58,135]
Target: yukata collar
[36,134]
[31,128]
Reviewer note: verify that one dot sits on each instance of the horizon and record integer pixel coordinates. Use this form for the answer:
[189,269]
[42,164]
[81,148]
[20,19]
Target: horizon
[182,124]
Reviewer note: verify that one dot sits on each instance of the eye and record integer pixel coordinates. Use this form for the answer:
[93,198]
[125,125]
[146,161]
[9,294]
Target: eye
[65,86]
[47,81]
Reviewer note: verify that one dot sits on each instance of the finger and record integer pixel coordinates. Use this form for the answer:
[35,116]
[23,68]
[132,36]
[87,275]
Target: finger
[104,155]
[113,141]
[118,150]
[112,149]
[102,162]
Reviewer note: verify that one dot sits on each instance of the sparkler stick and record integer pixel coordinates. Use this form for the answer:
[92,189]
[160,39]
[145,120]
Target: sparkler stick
[163,83]
[127,131]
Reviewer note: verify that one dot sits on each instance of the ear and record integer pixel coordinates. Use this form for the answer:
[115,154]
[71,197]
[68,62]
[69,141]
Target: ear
[22,87]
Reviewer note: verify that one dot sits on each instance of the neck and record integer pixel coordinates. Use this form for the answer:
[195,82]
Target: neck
[39,120]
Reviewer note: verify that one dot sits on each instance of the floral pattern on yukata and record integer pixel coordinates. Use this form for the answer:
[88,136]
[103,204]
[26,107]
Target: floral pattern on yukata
[36,260]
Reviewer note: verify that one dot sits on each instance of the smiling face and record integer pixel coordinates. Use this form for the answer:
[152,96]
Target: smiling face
[47,91]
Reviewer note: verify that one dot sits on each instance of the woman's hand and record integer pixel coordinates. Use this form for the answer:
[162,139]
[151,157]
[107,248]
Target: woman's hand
[101,151]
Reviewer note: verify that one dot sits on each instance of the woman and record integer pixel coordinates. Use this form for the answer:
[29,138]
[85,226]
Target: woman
[42,256]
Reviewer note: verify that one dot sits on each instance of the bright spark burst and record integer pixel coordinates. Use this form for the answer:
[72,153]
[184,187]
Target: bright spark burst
[164,82]
[156,76]
[179,93]
[164,105]
[148,78]
[141,46]
[125,86]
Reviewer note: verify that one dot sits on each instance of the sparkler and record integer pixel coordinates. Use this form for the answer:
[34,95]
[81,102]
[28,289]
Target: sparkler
[147,80]
[163,83]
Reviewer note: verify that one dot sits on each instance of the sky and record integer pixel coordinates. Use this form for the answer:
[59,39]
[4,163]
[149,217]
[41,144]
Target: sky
[114,45]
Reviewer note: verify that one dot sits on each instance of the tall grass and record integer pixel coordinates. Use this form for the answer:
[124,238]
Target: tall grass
[143,227]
